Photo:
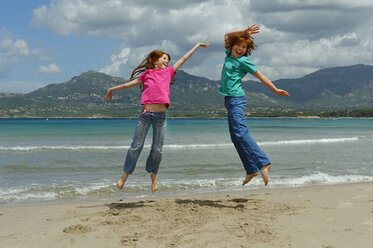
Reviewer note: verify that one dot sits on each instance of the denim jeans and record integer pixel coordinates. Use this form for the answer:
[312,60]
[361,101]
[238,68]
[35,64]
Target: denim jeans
[159,122]
[252,157]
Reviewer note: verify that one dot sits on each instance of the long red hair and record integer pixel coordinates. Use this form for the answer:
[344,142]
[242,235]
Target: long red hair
[238,38]
[148,63]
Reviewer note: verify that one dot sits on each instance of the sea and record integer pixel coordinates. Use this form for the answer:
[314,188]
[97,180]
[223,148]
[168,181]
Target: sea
[62,160]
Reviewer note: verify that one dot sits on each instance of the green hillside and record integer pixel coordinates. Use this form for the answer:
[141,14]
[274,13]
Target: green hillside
[334,89]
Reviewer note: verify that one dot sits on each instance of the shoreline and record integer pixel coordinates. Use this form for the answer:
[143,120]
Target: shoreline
[169,195]
[339,215]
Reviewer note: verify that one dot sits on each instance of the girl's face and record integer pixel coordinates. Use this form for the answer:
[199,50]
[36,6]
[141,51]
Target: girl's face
[162,62]
[239,49]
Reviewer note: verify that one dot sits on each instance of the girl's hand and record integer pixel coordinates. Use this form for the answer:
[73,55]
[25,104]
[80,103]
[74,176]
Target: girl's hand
[282,92]
[253,29]
[109,95]
[204,44]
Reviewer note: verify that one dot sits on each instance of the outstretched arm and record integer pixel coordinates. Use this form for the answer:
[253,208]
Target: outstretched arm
[183,59]
[253,29]
[269,84]
[127,85]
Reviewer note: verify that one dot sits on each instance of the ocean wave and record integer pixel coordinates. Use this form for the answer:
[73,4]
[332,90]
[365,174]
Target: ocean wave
[308,141]
[82,148]
[40,193]
[174,146]
[63,147]
[320,178]
[312,179]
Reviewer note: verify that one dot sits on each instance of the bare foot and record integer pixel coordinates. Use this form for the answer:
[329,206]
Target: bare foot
[122,180]
[154,182]
[264,171]
[249,177]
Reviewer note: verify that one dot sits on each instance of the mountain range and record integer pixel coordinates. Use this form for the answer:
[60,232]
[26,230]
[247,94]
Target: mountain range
[330,89]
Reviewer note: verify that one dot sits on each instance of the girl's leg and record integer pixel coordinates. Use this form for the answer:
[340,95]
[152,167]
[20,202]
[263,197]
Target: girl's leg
[252,157]
[238,130]
[155,155]
[264,171]
[153,177]
[243,156]
[122,180]
[134,151]
[241,153]
[249,177]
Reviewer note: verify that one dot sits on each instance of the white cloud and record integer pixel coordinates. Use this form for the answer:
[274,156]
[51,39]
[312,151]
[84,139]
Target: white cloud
[125,60]
[14,49]
[305,56]
[118,61]
[88,17]
[297,37]
[14,52]
[11,52]
[52,68]
[142,22]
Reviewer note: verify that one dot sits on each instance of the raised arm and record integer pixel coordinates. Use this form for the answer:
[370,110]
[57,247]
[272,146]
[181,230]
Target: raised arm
[124,86]
[269,84]
[253,29]
[183,59]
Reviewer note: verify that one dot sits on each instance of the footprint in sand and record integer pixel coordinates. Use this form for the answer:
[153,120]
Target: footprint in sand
[130,239]
[77,229]
[239,200]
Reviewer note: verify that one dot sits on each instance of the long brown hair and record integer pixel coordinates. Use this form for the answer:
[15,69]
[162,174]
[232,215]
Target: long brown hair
[238,38]
[148,63]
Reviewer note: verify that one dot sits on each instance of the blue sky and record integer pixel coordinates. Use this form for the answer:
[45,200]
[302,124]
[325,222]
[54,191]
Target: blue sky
[43,42]
[72,54]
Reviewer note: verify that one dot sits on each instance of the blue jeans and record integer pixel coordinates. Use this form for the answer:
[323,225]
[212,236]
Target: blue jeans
[252,157]
[159,122]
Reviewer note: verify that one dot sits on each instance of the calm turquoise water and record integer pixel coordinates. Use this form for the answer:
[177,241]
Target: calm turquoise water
[78,159]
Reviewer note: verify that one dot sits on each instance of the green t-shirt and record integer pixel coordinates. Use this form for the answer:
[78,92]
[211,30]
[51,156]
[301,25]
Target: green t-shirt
[234,69]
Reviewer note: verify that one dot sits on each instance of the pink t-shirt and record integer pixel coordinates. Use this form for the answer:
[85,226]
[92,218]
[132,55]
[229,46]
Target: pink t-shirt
[157,86]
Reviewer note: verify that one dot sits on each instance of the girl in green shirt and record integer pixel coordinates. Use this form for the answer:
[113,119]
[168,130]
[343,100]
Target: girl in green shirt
[238,45]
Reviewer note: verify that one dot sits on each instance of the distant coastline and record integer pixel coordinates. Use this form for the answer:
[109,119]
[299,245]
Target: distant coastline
[326,93]
[340,114]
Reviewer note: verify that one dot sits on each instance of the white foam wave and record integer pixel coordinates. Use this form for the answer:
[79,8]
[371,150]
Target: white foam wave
[11,195]
[66,147]
[308,141]
[44,193]
[320,178]
[82,148]
[173,146]
[312,179]
[199,146]
[47,193]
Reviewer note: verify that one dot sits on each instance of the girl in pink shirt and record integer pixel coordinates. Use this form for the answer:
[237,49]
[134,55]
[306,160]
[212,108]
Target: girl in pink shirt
[155,78]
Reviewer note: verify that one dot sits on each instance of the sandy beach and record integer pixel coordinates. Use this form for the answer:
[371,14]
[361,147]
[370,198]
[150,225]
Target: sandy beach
[320,216]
